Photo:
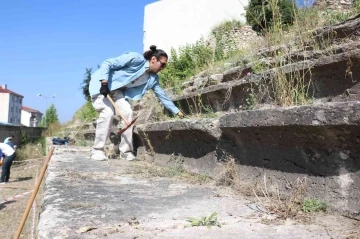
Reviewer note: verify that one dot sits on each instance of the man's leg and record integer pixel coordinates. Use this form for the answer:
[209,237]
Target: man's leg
[103,123]
[4,171]
[5,174]
[126,145]
[8,162]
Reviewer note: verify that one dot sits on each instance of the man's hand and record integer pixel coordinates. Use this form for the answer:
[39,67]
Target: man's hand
[104,89]
[181,114]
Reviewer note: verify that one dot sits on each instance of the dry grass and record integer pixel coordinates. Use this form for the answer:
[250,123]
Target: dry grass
[22,180]
[268,194]
[177,172]
[76,175]
[53,129]
[228,176]
[29,151]
[81,205]
[150,147]
[353,235]
[88,176]
[283,206]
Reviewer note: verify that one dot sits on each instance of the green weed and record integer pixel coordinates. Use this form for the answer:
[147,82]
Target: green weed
[209,221]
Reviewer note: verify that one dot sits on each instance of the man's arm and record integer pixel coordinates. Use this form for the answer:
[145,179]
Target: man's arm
[164,99]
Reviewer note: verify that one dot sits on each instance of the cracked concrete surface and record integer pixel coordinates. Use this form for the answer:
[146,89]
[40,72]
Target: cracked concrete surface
[91,199]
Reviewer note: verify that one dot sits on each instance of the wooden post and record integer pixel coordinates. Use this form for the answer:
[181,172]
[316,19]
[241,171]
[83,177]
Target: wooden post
[33,195]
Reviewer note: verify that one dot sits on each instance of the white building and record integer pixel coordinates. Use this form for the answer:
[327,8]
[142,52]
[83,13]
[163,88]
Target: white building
[30,117]
[10,106]
[174,23]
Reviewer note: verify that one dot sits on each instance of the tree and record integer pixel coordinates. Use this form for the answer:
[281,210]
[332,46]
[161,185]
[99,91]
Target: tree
[85,84]
[87,111]
[265,14]
[50,117]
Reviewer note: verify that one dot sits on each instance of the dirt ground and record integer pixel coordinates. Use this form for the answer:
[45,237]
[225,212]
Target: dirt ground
[22,181]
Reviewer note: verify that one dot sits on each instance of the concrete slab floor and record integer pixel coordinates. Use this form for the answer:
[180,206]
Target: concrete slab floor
[114,199]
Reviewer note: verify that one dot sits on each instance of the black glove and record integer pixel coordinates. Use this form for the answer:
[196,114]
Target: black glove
[104,89]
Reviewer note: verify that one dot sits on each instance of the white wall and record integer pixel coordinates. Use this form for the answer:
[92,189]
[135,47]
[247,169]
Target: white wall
[28,121]
[4,107]
[25,118]
[173,23]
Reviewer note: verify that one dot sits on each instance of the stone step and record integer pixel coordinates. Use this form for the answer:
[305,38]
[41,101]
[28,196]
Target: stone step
[319,142]
[328,34]
[338,31]
[332,78]
[334,74]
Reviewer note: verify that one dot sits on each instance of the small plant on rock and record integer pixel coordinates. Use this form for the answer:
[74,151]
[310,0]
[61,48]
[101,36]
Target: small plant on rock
[209,221]
[313,205]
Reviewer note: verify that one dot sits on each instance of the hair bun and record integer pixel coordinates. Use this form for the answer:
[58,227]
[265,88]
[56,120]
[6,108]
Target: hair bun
[153,47]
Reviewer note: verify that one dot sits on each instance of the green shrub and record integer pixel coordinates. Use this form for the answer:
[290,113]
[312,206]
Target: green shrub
[86,112]
[332,17]
[42,141]
[24,138]
[263,14]
[185,63]
[313,205]
[192,58]
[356,5]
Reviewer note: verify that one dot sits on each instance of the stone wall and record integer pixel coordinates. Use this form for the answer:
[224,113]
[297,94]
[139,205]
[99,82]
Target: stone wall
[237,37]
[33,133]
[339,5]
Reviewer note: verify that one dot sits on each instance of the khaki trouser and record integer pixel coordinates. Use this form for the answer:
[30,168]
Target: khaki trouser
[106,112]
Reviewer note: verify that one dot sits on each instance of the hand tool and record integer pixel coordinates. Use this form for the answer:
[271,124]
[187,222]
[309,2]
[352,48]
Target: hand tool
[119,113]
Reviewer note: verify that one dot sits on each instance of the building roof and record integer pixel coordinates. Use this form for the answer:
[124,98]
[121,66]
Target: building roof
[2,90]
[28,109]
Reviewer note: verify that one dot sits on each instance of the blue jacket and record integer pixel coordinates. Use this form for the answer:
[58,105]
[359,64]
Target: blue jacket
[124,69]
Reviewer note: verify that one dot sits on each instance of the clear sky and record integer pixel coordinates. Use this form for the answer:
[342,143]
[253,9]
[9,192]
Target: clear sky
[305,3]
[45,45]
